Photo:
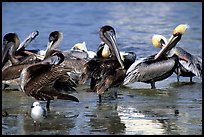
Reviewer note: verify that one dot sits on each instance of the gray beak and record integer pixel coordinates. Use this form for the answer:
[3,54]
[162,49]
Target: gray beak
[113,41]
[171,44]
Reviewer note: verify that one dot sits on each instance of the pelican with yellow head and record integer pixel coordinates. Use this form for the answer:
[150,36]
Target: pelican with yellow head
[189,65]
[174,39]
[81,48]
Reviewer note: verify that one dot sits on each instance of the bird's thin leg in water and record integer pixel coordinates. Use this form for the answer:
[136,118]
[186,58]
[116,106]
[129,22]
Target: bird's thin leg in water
[177,74]
[48,105]
[99,96]
[115,91]
[153,85]
[177,78]
[34,126]
[116,94]
[191,79]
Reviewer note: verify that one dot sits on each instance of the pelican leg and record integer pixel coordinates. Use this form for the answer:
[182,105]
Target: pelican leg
[115,91]
[191,79]
[99,96]
[116,94]
[153,85]
[34,126]
[48,105]
[177,78]
[178,74]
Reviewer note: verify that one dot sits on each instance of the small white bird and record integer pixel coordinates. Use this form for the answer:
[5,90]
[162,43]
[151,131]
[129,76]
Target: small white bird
[38,113]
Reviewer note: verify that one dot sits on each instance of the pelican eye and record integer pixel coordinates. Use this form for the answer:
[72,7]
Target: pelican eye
[162,42]
[177,34]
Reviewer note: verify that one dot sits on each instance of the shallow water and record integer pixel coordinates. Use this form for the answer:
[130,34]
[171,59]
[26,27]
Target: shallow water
[171,109]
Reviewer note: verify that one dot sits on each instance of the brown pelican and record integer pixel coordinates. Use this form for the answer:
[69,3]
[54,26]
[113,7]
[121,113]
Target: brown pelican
[47,80]
[54,40]
[10,53]
[106,72]
[103,51]
[80,50]
[20,57]
[150,70]
[189,65]
[19,48]
[76,63]
[127,57]
[174,39]
[78,68]
[18,51]
[27,41]
[14,61]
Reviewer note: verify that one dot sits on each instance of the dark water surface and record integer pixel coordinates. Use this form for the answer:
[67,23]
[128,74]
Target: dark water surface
[173,108]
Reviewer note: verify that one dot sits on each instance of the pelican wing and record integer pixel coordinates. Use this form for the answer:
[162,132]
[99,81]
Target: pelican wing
[189,62]
[113,79]
[98,68]
[45,94]
[7,73]
[194,65]
[150,70]
[132,72]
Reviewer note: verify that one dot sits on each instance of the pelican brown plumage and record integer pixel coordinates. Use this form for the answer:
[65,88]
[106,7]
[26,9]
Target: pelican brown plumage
[11,42]
[127,57]
[108,72]
[14,61]
[47,80]
[76,63]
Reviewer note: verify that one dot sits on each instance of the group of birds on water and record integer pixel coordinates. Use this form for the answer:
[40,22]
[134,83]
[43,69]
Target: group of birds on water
[54,74]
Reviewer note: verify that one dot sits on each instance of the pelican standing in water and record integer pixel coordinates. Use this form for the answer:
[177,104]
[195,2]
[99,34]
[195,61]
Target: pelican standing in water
[156,67]
[109,72]
[189,65]
[47,80]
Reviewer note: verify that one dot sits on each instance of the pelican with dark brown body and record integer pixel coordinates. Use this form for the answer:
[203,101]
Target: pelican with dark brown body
[106,72]
[47,80]
[12,45]
[13,60]
[70,61]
